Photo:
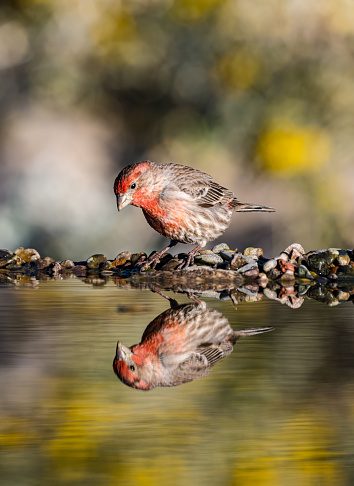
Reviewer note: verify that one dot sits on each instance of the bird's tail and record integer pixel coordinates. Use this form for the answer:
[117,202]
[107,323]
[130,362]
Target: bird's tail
[250,332]
[246,207]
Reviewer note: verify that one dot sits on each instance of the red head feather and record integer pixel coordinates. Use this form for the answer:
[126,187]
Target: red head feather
[128,175]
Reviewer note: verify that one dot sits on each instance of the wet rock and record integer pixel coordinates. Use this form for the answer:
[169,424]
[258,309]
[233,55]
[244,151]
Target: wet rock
[126,255]
[342,295]
[248,267]
[319,261]
[286,266]
[109,265]
[224,265]
[44,263]
[171,265]
[227,255]
[288,275]
[252,273]
[303,272]
[182,256]
[15,263]
[274,273]
[205,252]
[238,261]
[220,247]
[262,280]
[96,282]
[253,252]
[27,254]
[138,257]
[118,262]
[270,265]
[283,256]
[345,271]
[67,264]
[342,260]
[79,270]
[208,259]
[94,261]
[5,257]
[270,294]
[295,251]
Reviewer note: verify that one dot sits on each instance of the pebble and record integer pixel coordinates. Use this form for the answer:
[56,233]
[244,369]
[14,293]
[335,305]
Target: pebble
[295,250]
[27,254]
[303,272]
[253,252]
[227,255]
[5,257]
[288,275]
[286,266]
[270,294]
[341,295]
[208,259]
[126,255]
[269,265]
[94,261]
[79,270]
[44,263]
[247,267]
[252,273]
[274,273]
[220,247]
[118,262]
[15,263]
[67,264]
[171,265]
[136,257]
[342,260]
[283,256]
[238,261]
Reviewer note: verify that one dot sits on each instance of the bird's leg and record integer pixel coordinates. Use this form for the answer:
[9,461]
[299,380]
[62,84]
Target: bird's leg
[191,255]
[193,297]
[173,303]
[156,257]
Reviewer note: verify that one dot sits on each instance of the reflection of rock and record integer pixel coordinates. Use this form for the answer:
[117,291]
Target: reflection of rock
[180,345]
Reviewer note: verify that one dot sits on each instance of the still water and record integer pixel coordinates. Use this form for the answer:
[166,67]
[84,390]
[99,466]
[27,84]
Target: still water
[278,410]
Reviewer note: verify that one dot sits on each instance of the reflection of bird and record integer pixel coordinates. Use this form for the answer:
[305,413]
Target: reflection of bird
[181,203]
[178,346]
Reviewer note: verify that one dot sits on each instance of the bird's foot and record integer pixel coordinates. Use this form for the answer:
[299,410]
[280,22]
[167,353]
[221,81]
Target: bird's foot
[150,262]
[188,262]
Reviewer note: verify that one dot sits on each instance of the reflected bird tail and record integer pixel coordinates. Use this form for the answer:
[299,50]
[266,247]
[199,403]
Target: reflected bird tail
[251,331]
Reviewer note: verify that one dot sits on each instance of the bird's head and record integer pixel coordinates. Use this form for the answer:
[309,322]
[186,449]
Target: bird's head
[127,369]
[130,183]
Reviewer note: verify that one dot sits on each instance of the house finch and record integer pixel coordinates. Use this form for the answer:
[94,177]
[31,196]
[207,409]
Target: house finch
[181,203]
[178,346]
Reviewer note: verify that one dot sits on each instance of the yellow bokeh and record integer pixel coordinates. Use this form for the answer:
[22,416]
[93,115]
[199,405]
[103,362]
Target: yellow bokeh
[194,10]
[293,150]
[239,69]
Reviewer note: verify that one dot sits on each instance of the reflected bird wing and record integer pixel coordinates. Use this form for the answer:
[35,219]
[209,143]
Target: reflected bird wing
[196,366]
[215,353]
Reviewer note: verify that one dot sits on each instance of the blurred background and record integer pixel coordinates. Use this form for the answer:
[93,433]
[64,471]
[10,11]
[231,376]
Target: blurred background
[261,98]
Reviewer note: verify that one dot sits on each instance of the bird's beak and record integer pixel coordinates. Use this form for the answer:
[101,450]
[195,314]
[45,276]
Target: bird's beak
[123,200]
[122,352]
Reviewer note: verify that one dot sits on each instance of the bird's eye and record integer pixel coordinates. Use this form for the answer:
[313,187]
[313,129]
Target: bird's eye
[132,368]
[133,186]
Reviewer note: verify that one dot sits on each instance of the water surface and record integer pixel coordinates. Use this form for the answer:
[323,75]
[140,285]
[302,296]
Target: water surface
[278,410]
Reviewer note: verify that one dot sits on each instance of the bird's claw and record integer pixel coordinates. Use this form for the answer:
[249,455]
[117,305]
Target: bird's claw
[189,262]
[154,260]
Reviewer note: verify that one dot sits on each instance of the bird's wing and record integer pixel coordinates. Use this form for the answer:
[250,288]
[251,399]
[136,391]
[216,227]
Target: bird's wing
[194,367]
[215,353]
[200,186]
